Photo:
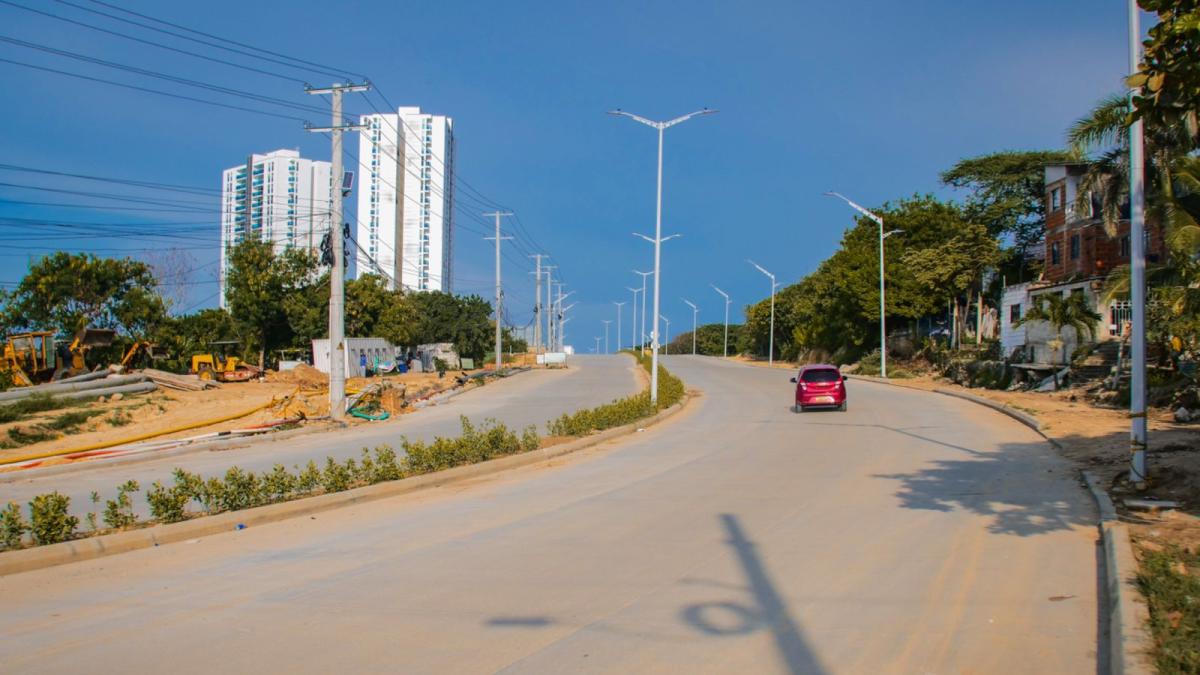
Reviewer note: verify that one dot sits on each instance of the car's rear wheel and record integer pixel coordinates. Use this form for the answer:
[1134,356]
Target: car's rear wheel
[797,408]
[842,407]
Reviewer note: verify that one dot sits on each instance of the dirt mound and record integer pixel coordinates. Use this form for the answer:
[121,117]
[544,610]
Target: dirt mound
[303,375]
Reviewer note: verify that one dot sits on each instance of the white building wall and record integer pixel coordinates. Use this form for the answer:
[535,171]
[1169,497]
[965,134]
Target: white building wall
[289,204]
[405,202]
[1011,334]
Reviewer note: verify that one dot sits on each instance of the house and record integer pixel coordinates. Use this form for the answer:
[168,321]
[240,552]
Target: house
[1079,255]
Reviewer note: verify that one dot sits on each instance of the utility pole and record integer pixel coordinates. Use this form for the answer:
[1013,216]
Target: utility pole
[606,322]
[619,306]
[727,301]
[642,343]
[661,126]
[695,314]
[337,275]
[537,304]
[771,339]
[1137,270]
[499,292]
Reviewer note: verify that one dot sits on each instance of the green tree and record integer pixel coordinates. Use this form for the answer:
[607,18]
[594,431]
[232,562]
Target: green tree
[258,284]
[1169,74]
[1006,192]
[191,334]
[66,292]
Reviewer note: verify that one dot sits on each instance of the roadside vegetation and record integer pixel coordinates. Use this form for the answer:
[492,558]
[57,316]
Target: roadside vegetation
[190,495]
[1168,580]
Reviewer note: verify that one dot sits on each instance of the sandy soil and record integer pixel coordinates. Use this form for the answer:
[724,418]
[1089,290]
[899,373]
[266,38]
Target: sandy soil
[279,396]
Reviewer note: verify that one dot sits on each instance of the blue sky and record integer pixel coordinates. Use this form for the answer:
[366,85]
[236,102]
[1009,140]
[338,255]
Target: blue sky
[872,99]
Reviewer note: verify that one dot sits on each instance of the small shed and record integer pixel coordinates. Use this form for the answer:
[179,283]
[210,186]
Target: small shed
[373,351]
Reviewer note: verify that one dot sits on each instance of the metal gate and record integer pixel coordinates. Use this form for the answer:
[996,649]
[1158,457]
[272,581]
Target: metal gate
[1120,313]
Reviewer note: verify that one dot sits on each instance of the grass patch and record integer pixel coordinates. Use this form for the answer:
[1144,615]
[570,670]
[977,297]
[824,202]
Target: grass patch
[1168,580]
[27,407]
[119,419]
[70,421]
[18,437]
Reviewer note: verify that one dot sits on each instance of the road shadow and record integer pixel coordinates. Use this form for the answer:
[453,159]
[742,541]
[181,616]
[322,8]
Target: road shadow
[769,610]
[1016,486]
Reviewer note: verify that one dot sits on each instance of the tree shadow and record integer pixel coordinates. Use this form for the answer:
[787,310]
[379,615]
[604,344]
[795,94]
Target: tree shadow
[769,610]
[1016,486]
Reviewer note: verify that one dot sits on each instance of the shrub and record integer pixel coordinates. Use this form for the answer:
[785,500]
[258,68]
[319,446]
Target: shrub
[12,526]
[279,484]
[529,439]
[309,479]
[387,466]
[118,513]
[622,411]
[168,504]
[50,518]
[336,477]
[211,494]
[242,490]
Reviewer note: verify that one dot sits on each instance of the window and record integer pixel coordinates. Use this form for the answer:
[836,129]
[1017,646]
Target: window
[1014,313]
[1074,247]
[820,375]
[1055,253]
[1125,246]
[1056,199]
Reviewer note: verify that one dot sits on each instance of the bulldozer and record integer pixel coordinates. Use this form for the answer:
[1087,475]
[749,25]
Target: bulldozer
[151,350]
[218,365]
[29,358]
[75,353]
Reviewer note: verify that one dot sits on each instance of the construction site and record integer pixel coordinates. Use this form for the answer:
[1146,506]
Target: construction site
[63,406]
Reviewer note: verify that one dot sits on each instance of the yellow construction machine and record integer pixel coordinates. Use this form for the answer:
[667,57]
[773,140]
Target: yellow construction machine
[218,365]
[84,341]
[29,358]
[151,350]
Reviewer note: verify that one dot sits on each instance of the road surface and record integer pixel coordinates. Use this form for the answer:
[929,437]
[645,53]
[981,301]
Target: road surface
[914,533]
[535,397]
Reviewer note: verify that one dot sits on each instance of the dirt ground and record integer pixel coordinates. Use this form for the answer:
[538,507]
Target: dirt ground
[287,395]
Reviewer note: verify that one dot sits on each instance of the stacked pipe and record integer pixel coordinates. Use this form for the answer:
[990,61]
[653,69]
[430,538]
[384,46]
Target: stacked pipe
[79,388]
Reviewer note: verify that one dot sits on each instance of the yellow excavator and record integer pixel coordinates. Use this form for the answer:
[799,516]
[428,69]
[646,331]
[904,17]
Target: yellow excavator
[151,350]
[84,341]
[218,365]
[29,358]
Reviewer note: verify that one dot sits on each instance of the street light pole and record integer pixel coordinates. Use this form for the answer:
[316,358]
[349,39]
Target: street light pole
[661,126]
[667,344]
[727,301]
[695,313]
[771,338]
[642,343]
[606,322]
[882,301]
[633,322]
[1137,270]
[619,306]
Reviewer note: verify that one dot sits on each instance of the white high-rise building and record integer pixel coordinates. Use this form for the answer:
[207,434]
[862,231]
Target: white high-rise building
[288,203]
[406,199]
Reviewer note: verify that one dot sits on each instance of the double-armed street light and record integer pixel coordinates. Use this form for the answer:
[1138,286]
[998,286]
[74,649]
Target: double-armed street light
[642,342]
[633,311]
[619,306]
[658,238]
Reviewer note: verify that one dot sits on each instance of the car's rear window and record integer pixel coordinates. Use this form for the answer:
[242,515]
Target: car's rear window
[821,375]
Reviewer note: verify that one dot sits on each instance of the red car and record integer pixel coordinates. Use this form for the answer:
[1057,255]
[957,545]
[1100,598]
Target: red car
[820,386]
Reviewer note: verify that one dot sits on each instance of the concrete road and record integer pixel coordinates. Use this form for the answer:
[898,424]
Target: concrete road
[534,397]
[913,534]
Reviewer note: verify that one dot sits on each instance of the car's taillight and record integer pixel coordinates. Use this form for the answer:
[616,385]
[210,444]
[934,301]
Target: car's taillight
[803,386]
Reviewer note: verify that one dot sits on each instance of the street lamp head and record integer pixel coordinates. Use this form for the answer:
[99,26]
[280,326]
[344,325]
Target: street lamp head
[891,232]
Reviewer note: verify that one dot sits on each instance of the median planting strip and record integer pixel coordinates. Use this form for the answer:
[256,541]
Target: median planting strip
[242,498]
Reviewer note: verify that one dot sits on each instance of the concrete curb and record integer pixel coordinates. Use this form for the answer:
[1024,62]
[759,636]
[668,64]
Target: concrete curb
[1022,417]
[39,557]
[1129,640]
[217,444]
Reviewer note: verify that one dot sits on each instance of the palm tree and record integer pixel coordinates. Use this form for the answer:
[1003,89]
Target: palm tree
[1061,312]
[1105,130]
